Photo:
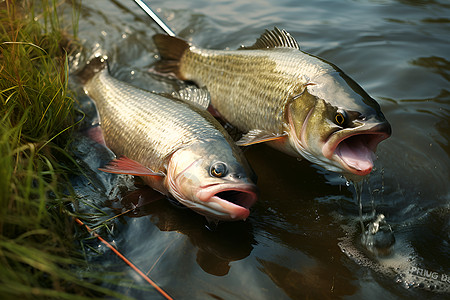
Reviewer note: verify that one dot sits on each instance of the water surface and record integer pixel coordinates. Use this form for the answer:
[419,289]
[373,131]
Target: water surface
[302,238]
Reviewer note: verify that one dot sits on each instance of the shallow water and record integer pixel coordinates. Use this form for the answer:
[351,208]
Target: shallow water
[303,238]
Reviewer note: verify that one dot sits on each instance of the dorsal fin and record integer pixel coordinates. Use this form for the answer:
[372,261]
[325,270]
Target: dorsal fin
[198,97]
[273,39]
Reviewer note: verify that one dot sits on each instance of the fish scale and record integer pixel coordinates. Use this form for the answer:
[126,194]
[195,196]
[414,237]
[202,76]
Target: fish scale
[145,126]
[235,75]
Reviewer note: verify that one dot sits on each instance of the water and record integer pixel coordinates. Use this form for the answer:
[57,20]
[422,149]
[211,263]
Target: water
[303,238]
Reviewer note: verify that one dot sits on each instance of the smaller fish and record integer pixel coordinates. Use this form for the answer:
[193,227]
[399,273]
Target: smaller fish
[174,144]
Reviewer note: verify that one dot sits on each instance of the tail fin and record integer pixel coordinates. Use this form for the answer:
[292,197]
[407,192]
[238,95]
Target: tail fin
[171,50]
[91,68]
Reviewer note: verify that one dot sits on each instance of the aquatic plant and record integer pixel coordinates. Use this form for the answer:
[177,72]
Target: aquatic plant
[37,250]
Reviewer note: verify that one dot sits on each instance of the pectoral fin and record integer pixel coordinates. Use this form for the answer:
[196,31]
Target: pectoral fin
[257,136]
[124,165]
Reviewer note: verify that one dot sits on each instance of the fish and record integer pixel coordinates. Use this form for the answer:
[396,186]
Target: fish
[173,143]
[296,102]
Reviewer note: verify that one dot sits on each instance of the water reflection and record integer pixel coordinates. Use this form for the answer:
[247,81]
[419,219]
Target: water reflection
[439,65]
[215,248]
[315,282]
[289,247]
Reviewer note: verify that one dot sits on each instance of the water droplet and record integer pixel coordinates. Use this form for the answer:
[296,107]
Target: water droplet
[358,192]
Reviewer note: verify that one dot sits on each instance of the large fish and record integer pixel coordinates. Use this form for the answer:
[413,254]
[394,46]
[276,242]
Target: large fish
[177,147]
[275,93]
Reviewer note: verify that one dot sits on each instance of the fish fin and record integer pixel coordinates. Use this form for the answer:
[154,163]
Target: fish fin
[171,50]
[273,39]
[92,67]
[257,136]
[214,112]
[96,134]
[198,97]
[124,165]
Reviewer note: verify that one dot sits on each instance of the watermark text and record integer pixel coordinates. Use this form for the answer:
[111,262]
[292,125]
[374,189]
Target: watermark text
[424,273]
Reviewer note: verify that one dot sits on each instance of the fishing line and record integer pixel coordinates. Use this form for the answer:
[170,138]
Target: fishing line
[155,17]
[129,263]
[157,260]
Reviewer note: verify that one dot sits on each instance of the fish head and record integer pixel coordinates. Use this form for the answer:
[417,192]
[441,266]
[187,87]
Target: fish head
[337,125]
[212,178]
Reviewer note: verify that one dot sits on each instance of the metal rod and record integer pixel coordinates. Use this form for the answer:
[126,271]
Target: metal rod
[155,18]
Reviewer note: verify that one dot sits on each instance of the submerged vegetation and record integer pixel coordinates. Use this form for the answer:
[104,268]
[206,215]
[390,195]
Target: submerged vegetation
[38,256]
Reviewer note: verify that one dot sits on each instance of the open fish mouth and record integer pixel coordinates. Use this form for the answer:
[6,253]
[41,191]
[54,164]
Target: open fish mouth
[355,152]
[228,201]
[244,199]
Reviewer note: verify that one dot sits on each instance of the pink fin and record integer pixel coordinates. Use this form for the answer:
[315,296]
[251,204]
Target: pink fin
[96,134]
[124,165]
[214,112]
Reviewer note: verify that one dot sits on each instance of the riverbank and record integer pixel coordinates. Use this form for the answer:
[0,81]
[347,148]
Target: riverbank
[38,253]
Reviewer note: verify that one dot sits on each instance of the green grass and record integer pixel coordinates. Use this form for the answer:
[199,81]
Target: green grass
[37,116]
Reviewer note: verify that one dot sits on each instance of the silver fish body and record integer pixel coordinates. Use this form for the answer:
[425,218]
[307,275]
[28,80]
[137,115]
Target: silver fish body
[145,126]
[269,79]
[186,151]
[274,92]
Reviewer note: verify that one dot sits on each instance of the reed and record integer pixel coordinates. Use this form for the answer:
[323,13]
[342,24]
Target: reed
[37,116]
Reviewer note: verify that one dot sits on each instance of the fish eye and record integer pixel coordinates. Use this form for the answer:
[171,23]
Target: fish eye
[218,169]
[340,117]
